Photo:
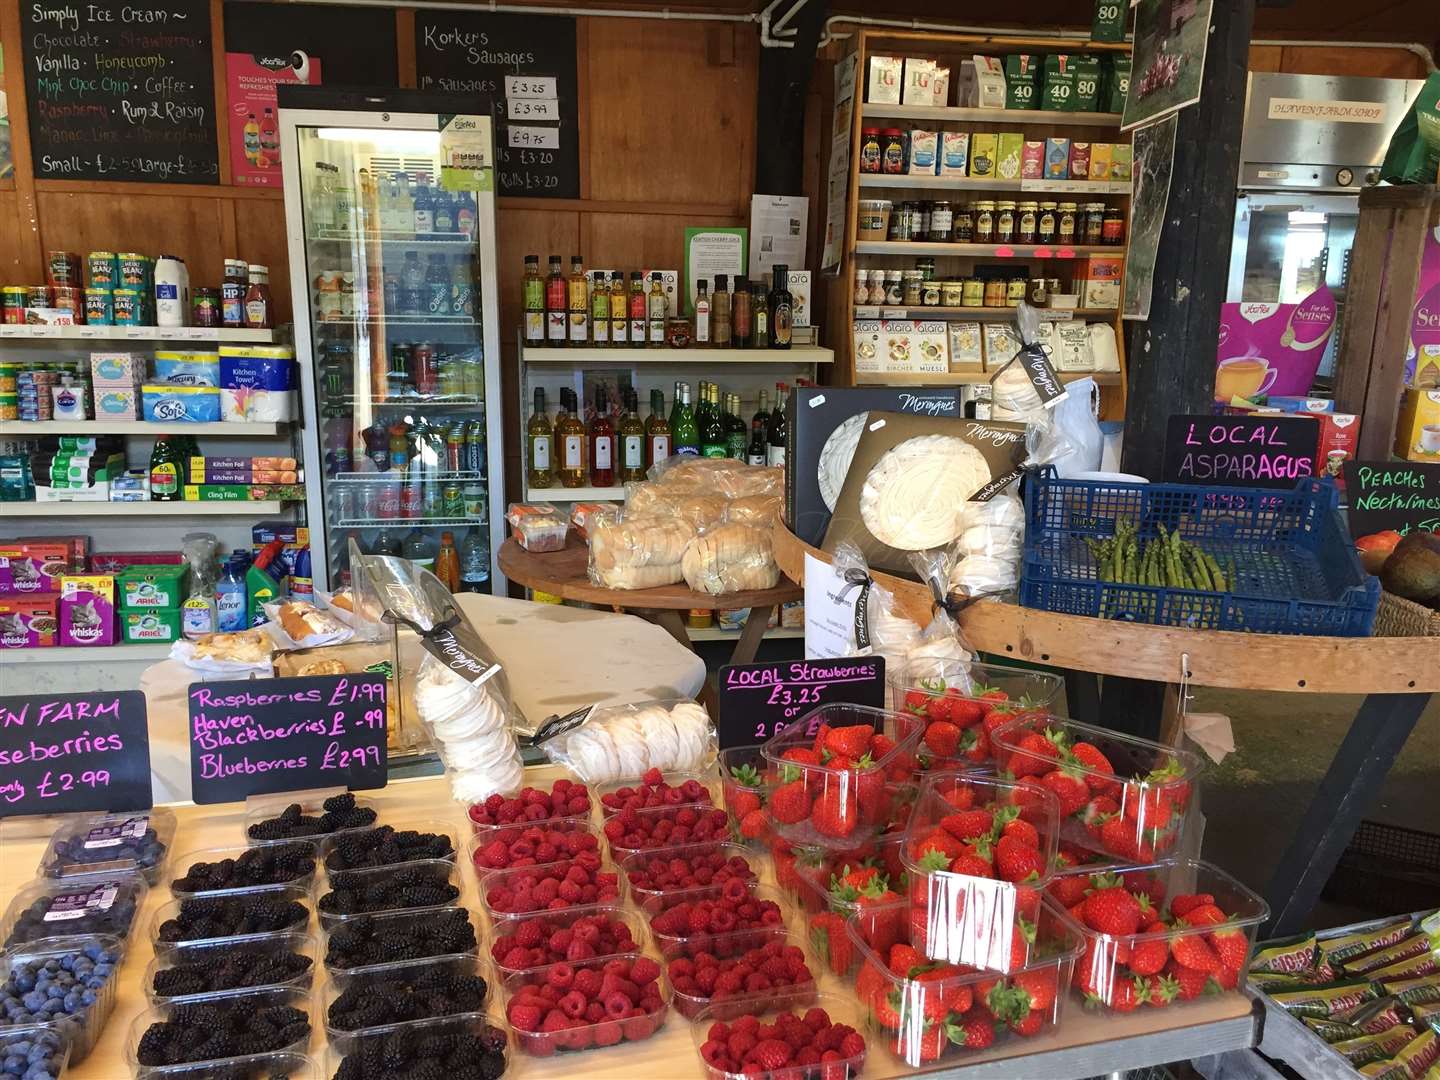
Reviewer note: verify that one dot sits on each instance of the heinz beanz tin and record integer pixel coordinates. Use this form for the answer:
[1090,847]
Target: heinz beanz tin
[134,270]
[102,269]
[99,306]
[126,307]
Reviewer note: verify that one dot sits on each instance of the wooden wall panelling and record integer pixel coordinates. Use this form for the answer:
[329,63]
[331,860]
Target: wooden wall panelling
[405,45]
[222,89]
[260,238]
[17,248]
[1378,62]
[152,223]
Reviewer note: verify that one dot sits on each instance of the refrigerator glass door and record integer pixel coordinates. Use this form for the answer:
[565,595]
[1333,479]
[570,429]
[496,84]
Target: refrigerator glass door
[392,283]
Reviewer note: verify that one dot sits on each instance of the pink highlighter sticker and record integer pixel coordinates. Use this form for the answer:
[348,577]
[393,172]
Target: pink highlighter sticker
[1005,252]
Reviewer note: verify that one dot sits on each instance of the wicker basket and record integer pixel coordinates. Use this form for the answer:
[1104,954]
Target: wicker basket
[1398,617]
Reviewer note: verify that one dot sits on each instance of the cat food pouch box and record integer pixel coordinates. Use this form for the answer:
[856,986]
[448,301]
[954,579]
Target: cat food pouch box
[28,622]
[87,609]
[32,566]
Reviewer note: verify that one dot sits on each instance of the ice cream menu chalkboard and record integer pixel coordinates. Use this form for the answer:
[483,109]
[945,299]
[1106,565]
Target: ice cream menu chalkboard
[521,68]
[120,91]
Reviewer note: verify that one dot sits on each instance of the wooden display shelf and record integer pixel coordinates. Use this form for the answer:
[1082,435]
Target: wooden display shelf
[1021,117]
[253,508]
[798,354]
[965,378]
[239,429]
[95,654]
[980,314]
[220,335]
[987,183]
[997,251]
[559,494]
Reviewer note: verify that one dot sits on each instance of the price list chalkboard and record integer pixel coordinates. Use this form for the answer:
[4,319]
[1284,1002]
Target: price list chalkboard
[521,69]
[121,91]
[758,700]
[1398,495]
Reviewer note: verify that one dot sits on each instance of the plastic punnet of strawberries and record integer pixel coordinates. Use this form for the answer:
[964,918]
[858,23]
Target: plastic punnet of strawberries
[531,845]
[850,889]
[585,1005]
[689,923]
[742,783]
[544,939]
[791,1044]
[1120,796]
[835,788]
[665,826]
[775,971]
[1146,947]
[565,798]
[654,790]
[693,866]
[554,886]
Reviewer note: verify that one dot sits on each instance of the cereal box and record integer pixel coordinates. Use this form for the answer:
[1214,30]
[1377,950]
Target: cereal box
[869,337]
[899,340]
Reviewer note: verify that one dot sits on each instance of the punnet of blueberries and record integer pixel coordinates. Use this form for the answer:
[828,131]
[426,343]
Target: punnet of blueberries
[340,812]
[131,840]
[32,1054]
[274,865]
[230,969]
[105,906]
[427,1052]
[225,916]
[227,1028]
[387,938]
[436,991]
[52,986]
[385,846]
[409,885]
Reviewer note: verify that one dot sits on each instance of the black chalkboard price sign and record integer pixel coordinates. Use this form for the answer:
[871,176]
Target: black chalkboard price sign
[120,91]
[1392,495]
[521,70]
[757,700]
[62,753]
[257,738]
[1240,451]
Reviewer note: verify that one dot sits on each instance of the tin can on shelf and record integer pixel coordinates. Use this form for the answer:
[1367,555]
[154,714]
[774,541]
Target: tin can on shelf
[423,369]
[452,500]
[37,296]
[126,307]
[102,269]
[63,268]
[912,282]
[69,298]
[134,270]
[100,306]
[12,304]
[9,407]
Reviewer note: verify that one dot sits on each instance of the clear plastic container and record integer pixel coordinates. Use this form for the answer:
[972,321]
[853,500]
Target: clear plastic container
[815,869]
[742,790]
[641,859]
[729,949]
[485,833]
[549,1043]
[507,879]
[482,826]
[433,871]
[503,931]
[245,1001]
[285,1065]
[183,864]
[672,945]
[56,909]
[683,815]
[509,834]
[443,828]
[969,918]
[913,1018]
[230,906]
[674,780]
[1107,971]
[262,808]
[27,1037]
[473,1025]
[106,844]
[841,1009]
[81,1028]
[401,919]
[457,965]
[1149,799]
[263,945]
[841,807]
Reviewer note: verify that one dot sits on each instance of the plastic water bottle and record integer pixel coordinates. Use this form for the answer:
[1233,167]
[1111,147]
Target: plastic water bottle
[418,550]
[475,562]
[230,599]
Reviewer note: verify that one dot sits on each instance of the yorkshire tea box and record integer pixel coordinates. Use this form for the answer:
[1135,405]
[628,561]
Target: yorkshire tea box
[1087,84]
[1059,82]
[1022,81]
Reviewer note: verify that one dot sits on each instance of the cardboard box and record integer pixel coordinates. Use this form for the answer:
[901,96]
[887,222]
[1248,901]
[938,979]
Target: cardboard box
[155,625]
[923,153]
[1298,405]
[242,492]
[1121,158]
[1007,155]
[29,622]
[1100,160]
[869,339]
[1032,160]
[967,351]
[1101,275]
[1117,83]
[1088,78]
[916,86]
[1057,159]
[1417,430]
[1001,345]
[1080,161]
[883,84]
[112,562]
[816,444]
[87,609]
[1339,436]
[151,586]
[898,352]
[1022,81]
[800,284]
[931,348]
[117,369]
[954,153]
[984,145]
[263,464]
[33,566]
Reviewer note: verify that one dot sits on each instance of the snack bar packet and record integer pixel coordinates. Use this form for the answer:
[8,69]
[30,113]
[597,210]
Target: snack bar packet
[1384,1070]
[1373,1017]
[1285,954]
[1426,1016]
[1332,1031]
[1368,1048]
[1410,948]
[1413,968]
[1350,946]
[1422,991]
[1419,1053]
[1326,1002]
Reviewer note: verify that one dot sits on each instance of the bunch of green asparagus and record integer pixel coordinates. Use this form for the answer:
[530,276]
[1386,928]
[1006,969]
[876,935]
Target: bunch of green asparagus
[1167,560]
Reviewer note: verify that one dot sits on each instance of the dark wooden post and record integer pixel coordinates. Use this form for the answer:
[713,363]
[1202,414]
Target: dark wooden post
[780,104]
[1172,356]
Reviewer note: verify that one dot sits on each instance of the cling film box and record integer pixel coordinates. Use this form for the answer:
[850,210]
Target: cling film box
[241,492]
[138,587]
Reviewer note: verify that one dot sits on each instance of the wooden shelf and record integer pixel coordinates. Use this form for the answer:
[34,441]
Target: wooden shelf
[799,354]
[1001,251]
[219,335]
[252,508]
[575,494]
[104,654]
[965,378]
[137,427]
[987,183]
[989,116]
[714,633]
[980,314]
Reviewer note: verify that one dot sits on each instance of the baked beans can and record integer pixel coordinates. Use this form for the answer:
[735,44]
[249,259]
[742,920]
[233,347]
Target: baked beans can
[126,307]
[100,306]
[134,270]
[63,268]
[9,407]
[68,298]
[37,296]
[103,269]
[12,304]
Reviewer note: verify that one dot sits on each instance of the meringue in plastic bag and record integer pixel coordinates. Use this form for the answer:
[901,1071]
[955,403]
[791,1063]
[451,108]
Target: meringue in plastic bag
[1014,397]
[623,742]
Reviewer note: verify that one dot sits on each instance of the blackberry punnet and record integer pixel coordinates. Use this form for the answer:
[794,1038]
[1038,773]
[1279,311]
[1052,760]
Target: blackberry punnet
[340,812]
[223,916]
[274,865]
[409,885]
[430,1053]
[230,969]
[385,846]
[205,1031]
[436,991]
[368,940]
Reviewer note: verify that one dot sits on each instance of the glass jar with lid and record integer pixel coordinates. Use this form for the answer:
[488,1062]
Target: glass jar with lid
[862,285]
[919,221]
[952,293]
[1113,230]
[1094,223]
[926,265]
[870,150]
[985,221]
[1065,223]
[892,151]
[877,286]
[912,280]
[894,288]
[1005,221]
[941,222]
[963,228]
[930,294]
[898,227]
[995,289]
[972,292]
[1015,290]
[1026,214]
[1045,224]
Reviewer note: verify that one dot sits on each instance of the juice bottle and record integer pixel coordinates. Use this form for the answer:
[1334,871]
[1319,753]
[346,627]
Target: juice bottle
[269,141]
[534,291]
[600,310]
[437,286]
[252,140]
[442,213]
[637,310]
[657,309]
[422,213]
[447,563]
[556,299]
[619,310]
[578,302]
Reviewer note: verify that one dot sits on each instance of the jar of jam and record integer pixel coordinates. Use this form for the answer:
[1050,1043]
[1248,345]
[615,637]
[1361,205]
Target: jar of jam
[952,293]
[1094,222]
[892,151]
[972,292]
[1005,222]
[926,266]
[1025,215]
[677,333]
[204,307]
[942,223]
[963,229]
[1015,291]
[919,220]
[1065,223]
[899,226]
[995,289]
[1045,224]
[984,222]
[870,150]
[912,281]
[1113,229]
[930,294]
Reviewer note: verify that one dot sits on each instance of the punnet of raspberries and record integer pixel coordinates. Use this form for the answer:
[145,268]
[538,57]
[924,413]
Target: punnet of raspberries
[564,799]
[686,868]
[543,939]
[790,1040]
[732,907]
[775,971]
[532,845]
[587,1005]
[554,886]
[654,790]
[638,830]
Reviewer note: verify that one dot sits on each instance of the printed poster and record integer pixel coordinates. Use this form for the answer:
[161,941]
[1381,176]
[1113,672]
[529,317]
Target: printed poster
[1154,161]
[1272,350]
[254,126]
[1169,59]
[7,160]
[711,251]
[837,175]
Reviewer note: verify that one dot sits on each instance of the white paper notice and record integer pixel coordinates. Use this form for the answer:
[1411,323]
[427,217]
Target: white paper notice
[837,174]
[778,226]
[829,612]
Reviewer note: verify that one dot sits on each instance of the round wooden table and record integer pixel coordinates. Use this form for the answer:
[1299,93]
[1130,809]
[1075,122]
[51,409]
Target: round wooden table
[563,574]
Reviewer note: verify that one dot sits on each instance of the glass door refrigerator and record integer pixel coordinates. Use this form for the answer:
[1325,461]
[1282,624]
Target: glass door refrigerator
[393,274]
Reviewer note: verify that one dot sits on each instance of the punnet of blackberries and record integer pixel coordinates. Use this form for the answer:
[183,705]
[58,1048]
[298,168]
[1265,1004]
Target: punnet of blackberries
[274,865]
[231,969]
[385,846]
[429,1052]
[436,991]
[339,812]
[206,917]
[208,1030]
[387,938]
[409,885]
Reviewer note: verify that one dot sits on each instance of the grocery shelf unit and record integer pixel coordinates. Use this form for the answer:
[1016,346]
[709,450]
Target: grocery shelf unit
[954,260]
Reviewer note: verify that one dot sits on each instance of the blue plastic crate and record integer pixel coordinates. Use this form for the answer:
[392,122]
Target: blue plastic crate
[1296,567]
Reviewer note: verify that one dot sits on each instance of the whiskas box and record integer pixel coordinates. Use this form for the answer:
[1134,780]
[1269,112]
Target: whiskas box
[87,609]
[32,566]
[28,622]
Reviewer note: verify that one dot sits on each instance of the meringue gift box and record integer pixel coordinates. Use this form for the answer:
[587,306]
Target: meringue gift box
[910,478]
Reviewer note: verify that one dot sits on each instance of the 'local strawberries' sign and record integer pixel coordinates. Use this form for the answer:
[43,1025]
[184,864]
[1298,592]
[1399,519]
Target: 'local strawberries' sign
[757,700]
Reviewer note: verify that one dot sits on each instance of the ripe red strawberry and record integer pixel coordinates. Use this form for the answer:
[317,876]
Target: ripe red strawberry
[927,1047]
[801,755]
[1183,903]
[1117,836]
[754,825]
[966,712]
[1070,889]
[1112,910]
[1194,952]
[869,981]
[1070,789]
[1204,915]
[940,842]
[1028,1025]
[941,738]
[1090,756]
[1148,957]
[1017,861]
[968,824]
[835,812]
[988,696]
[1191,983]
[790,803]
[830,941]
[1163,990]
[971,864]
[974,745]
[851,741]
[915,701]
[972,1033]
[996,716]
[938,707]
[1231,946]
[1034,755]
[960,797]
[1022,830]
[1039,985]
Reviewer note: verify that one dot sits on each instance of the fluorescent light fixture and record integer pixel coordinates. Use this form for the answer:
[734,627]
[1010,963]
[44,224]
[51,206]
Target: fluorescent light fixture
[399,140]
[1307,217]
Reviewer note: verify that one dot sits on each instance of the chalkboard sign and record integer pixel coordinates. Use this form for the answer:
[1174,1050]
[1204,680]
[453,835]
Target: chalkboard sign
[1240,451]
[1386,495]
[521,68]
[256,738]
[62,753]
[757,700]
[120,91]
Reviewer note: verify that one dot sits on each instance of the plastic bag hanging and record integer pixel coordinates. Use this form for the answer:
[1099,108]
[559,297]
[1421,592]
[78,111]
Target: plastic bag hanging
[1026,388]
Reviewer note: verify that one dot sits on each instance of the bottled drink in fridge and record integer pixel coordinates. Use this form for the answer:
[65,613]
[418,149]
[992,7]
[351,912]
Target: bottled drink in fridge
[419,550]
[474,459]
[475,561]
[387,543]
[437,287]
[462,287]
[423,212]
[412,285]
[447,562]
